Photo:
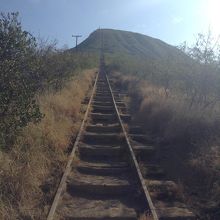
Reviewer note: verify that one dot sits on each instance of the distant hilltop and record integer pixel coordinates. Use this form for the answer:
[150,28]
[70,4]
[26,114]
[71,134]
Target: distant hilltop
[130,43]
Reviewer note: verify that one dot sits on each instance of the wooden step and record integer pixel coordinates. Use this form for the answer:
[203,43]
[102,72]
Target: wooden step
[103,118]
[103,109]
[103,98]
[102,138]
[101,89]
[102,103]
[106,91]
[81,208]
[112,128]
[99,151]
[98,185]
[103,94]
[97,116]
[110,168]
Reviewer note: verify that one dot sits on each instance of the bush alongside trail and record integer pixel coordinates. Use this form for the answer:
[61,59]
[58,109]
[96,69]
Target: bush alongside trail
[41,90]
[186,128]
[31,170]
[28,67]
[179,106]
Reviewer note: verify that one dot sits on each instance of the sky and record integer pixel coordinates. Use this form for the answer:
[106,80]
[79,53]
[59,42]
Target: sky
[173,21]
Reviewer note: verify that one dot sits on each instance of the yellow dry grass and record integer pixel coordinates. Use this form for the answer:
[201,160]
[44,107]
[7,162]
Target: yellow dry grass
[30,172]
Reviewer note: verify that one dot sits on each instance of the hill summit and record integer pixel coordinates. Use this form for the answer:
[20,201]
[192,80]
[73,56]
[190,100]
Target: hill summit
[129,43]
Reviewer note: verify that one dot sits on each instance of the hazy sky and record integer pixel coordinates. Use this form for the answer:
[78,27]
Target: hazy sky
[173,21]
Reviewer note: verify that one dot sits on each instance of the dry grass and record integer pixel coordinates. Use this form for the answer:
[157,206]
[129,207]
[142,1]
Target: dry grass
[31,170]
[191,135]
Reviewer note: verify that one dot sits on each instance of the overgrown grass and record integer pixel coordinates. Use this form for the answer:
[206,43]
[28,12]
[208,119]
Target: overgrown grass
[187,137]
[31,170]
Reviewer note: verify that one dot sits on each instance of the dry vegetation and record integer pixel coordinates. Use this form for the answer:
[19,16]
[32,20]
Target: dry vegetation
[178,104]
[187,137]
[30,170]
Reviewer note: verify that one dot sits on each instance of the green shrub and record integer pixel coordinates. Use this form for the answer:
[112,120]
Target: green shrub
[17,73]
[29,67]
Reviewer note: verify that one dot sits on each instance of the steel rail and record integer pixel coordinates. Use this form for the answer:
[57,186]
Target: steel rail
[61,186]
[62,183]
[134,160]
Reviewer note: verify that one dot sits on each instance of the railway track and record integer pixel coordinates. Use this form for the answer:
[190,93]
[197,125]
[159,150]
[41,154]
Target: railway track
[103,179]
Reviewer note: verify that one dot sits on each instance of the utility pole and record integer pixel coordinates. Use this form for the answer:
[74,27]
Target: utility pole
[76,36]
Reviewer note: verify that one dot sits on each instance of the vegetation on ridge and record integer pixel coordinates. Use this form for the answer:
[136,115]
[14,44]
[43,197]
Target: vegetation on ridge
[179,107]
[174,93]
[27,68]
[41,90]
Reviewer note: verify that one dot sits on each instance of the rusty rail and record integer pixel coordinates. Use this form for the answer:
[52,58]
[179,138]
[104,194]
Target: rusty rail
[62,183]
[61,186]
[134,160]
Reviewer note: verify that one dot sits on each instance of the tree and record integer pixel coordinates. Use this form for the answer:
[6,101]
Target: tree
[18,73]
[205,71]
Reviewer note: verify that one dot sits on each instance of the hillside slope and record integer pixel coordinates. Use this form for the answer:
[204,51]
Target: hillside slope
[129,43]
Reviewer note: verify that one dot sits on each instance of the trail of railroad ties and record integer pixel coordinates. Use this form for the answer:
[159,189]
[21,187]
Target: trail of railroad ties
[103,179]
